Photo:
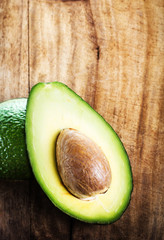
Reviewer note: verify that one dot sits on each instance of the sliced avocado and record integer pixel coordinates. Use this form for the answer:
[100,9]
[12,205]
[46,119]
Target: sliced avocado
[14,162]
[53,107]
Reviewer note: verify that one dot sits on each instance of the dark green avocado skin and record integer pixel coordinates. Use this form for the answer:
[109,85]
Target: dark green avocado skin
[14,162]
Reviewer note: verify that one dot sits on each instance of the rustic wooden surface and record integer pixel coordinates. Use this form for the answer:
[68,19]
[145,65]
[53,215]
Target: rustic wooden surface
[112,54]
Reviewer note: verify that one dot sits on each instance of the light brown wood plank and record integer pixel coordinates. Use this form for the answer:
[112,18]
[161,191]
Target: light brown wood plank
[130,95]
[14,195]
[50,58]
[63,46]
[13,49]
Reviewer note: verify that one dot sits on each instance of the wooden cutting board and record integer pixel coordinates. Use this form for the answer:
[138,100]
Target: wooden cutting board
[112,54]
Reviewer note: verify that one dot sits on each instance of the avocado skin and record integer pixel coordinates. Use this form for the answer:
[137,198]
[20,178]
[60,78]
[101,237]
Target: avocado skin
[14,162]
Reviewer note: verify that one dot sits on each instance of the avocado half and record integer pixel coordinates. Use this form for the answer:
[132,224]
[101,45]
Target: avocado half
[53,107]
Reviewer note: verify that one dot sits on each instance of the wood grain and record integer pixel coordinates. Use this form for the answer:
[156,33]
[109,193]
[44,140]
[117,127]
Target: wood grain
[14,196]
[46,221]
[63,44]
[112,54]
[14,210]
[130,38]
[13,49]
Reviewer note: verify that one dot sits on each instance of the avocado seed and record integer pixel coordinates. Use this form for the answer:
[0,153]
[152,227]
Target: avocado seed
[82,166]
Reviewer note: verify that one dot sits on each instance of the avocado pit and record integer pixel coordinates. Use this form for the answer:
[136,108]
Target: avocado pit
[82,166]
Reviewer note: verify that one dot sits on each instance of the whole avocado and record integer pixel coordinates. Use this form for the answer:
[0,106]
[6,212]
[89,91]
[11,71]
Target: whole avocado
[14,162]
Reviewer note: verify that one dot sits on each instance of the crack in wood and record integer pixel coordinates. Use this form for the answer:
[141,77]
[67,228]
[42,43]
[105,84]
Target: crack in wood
[98,52]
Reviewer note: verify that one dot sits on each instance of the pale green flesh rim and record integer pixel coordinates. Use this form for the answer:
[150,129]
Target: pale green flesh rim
[52,107]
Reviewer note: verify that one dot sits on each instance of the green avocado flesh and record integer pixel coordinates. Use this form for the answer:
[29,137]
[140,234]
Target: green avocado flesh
[52,107]
[14,162]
